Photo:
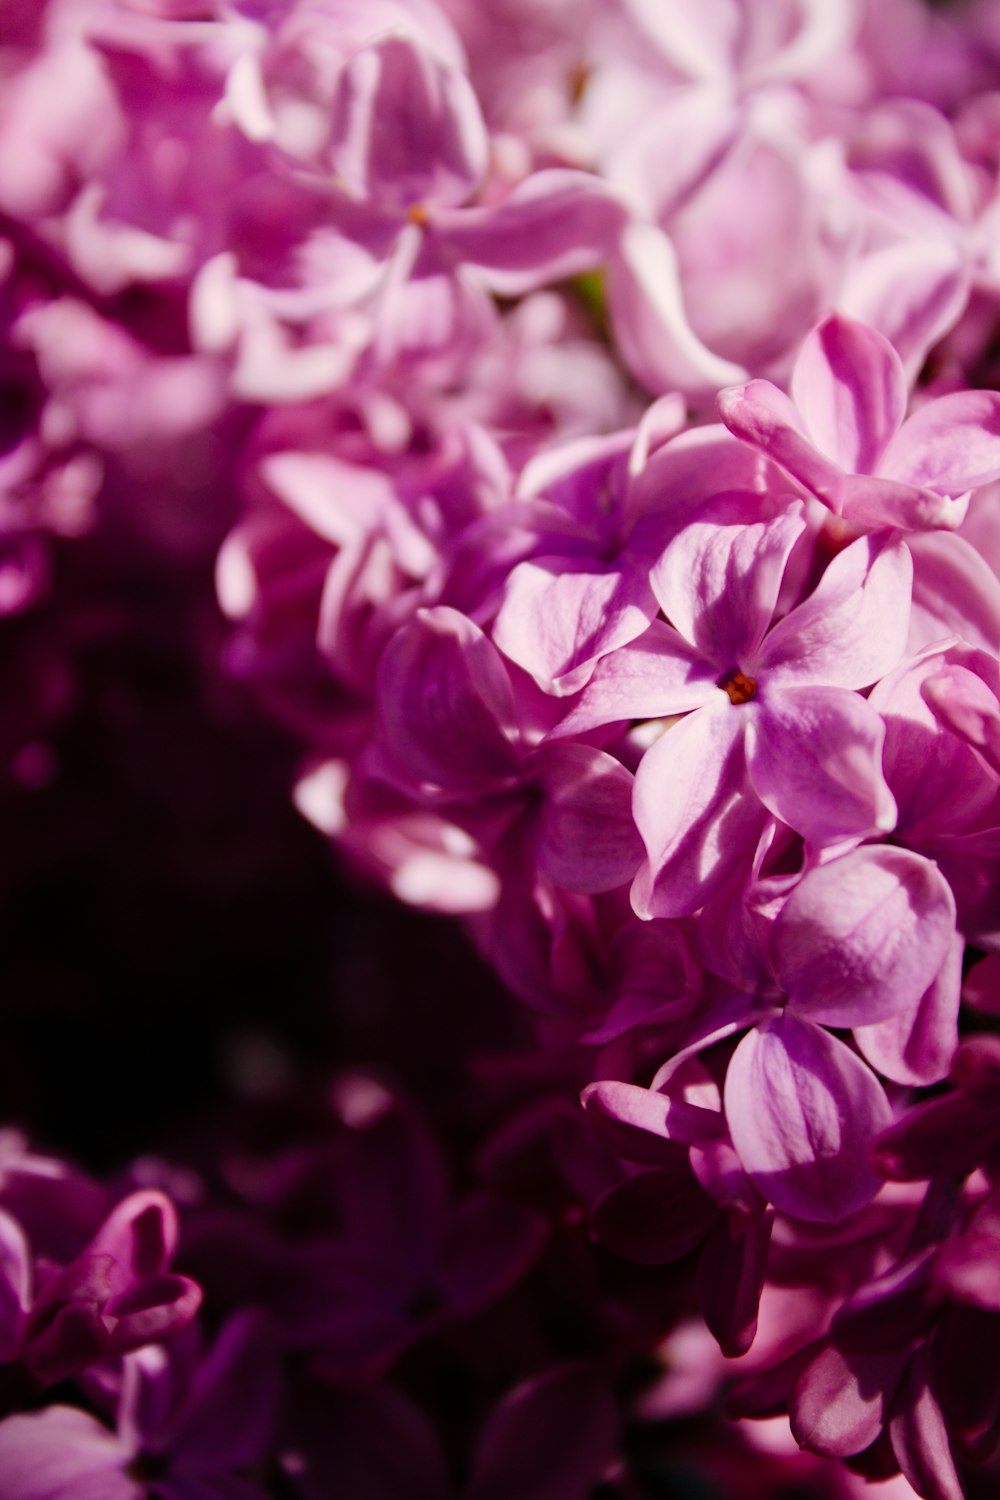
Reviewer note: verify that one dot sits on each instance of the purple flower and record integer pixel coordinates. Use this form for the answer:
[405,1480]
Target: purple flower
[774,711]
[449,718]
[187,1425]
[843,438]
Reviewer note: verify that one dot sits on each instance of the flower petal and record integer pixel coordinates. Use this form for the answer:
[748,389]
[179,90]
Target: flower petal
[693,812]
[802,1110]
[852,629]
[656,1217]
[555,224]
[718,581]
[586,839]
[839,1401]
[64,1454]
[950,445]
[916,1045]
[653,677]
[560,615]
[446,703]
[814,756]
[859,939]
[849,386]
[761,415]
[651,325]
[405,128]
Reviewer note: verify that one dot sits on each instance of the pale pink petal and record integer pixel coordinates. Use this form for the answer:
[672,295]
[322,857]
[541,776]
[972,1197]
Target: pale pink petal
[690,469]
[911,292]
[916,1045]
[814,758]
[852,629]
[849,387]
[955,592]
[802,1111]
[698,37]
[761,415]
[405,128]
[718,581]
[446,703]
[653,677]
[560,615]
[651,326]
[950,445]
[645,1126]
[693,812]
[859,939]
[64,1454]
[554,225]
[963,702]
[874,503]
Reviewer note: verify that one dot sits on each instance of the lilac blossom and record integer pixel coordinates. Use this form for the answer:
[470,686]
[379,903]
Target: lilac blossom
[688,733]
[186,1422]
[770,711]
[842,435]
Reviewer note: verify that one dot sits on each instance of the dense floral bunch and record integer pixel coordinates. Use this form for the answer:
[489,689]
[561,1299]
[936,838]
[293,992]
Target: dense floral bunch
[588,409]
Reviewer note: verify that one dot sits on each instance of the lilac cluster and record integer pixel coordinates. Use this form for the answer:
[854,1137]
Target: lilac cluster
[587,412]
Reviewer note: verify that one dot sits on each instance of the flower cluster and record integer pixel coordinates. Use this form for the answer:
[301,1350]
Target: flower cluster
[587,413]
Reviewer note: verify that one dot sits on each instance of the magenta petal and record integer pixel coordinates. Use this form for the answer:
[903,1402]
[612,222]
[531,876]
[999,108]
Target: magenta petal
[731,1276]
[229,1414]
[654,981]
[693,812]
[151,1311]
[852,629]
[859,939]
[814,757]
[446,703]
[15,1284]
[965,1271]
[656,1217]
[64,1454]
[920,1438]
[586,839]
[487,1245]
[644,1126]
[802,1111]
[838,1405]
[555,224]
[950,445]
[140,1233]
[849,386]
[560,615]
[549,1439]
[718,581]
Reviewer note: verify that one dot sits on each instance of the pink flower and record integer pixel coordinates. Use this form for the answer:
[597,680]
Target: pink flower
[843,438]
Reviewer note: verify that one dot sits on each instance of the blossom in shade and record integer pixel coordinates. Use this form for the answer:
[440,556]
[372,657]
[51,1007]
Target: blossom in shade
[188,1424]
